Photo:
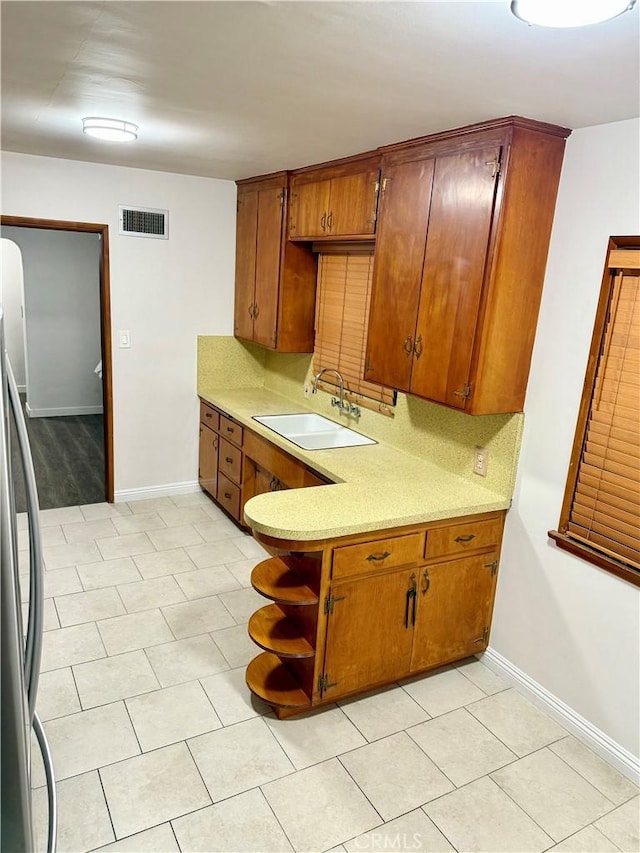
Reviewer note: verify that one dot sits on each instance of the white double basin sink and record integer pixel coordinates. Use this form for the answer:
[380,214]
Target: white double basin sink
[313,432]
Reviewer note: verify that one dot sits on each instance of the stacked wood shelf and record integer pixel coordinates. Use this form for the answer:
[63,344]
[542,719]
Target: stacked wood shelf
[283,674]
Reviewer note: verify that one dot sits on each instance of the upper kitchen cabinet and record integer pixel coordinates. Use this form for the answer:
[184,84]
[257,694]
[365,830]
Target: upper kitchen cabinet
[337,201]
[464,225]
[275,279]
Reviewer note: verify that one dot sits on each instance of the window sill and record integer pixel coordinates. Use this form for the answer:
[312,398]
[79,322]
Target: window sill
[598,559]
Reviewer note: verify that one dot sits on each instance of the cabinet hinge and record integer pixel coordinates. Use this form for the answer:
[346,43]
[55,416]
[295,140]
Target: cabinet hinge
[493,566]
[465,392]
[368,367]
[383,184]
[495,166]
[484,638]
[330,601]
[324,683]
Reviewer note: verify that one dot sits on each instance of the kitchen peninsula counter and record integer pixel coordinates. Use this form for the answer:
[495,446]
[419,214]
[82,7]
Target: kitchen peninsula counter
[375,487]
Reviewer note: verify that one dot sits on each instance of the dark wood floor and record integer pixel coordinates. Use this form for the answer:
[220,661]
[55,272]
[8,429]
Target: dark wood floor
[68,459]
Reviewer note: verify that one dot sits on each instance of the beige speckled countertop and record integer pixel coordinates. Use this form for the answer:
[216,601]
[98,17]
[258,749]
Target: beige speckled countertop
[376,486]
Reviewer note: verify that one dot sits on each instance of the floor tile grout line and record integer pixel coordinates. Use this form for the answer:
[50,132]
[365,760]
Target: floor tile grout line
[614,805]
[271,809]
[593,785]
[520,806]
[106,802]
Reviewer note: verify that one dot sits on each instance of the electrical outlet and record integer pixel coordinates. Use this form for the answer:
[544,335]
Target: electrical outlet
[481,461]
[307,389]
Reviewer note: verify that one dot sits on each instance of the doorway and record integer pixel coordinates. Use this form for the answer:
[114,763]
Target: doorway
[69,441]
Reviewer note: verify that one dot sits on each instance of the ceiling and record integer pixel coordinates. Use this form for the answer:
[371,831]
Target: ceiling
[235,89]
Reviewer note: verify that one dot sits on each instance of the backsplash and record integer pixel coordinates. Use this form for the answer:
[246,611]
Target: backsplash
[421,428]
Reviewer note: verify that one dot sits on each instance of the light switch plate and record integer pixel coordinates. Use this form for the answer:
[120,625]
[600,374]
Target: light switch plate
[125,339]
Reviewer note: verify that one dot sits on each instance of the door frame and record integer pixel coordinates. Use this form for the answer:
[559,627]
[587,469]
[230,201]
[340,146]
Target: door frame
[105,322]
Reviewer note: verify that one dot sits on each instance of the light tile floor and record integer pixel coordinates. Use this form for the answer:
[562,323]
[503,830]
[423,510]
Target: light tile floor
[158,745]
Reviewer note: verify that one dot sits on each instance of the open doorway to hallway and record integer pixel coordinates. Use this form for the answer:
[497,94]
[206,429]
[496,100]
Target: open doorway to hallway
[65,378]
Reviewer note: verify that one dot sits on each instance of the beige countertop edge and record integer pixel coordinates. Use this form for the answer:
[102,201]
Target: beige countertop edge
[356,503]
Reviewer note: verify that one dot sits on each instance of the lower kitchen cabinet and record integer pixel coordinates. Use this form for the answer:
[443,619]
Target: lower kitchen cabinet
[236,464]
[368,610]
[370,637]
[454,603]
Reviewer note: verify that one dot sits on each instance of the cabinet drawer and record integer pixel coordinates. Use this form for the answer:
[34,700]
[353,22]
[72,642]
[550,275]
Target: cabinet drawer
[230,461]
[467,536]
[231,430]
[379,554]
[208,416]
[228,496]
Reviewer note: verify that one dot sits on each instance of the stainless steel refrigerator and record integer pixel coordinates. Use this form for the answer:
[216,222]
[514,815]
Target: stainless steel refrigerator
[21,650]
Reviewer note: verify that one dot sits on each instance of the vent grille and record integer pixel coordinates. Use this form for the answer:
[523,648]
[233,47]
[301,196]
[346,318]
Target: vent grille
[144,222]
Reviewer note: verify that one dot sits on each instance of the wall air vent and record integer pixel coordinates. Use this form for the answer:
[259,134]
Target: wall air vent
[144,222]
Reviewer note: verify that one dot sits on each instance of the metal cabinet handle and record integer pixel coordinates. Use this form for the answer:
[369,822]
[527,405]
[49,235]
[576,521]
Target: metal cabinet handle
[330,221]
[208,415]
[378,557]
[256,311]
[228,460]
[417,347]
[410,598]
[250,309]
[426,581]
[465,538]
[323,221]
[230,429]
[407,345]
[227,496]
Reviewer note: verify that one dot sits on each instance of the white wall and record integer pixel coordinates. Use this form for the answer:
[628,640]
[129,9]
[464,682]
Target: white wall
[165,292]
[62,319]
[11,291]
[569,625]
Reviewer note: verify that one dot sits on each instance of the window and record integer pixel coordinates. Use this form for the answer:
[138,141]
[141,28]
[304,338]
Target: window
[342,319]
[600,518]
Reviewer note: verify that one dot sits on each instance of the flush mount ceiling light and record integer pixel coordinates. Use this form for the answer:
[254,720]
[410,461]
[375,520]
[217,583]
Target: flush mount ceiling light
[110,129]
[568,13]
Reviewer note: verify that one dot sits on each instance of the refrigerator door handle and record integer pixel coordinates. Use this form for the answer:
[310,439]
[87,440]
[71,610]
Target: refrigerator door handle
[51,783]
[33,654]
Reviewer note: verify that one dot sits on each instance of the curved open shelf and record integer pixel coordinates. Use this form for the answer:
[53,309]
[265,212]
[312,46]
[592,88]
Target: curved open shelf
[272,630]
[283,580]
[272,682]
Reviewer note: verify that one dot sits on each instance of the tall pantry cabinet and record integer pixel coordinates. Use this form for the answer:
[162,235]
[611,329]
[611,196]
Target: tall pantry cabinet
[275,278]
[464,225]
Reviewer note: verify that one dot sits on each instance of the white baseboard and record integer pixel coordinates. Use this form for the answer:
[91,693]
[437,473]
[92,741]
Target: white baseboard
[67,410]
[22,389]
[122,495]
[619,757]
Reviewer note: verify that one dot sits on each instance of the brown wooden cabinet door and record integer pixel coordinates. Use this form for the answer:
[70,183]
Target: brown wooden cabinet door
[308,210]
[369,632]
[352,205]
[460,217]
[267,273]
[208,460]
[454,606]
[397,272]
[246,244]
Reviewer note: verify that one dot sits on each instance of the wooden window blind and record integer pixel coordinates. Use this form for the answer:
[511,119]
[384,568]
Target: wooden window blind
[342,320]
[601,512]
